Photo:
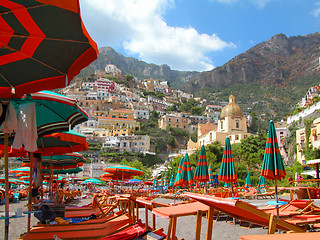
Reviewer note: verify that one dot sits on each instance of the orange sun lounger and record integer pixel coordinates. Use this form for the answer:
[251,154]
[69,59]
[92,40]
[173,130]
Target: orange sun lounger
[242,211]
[92,231]
[289,236]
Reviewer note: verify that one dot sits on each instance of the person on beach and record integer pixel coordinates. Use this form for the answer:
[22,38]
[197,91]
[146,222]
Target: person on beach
[34,193]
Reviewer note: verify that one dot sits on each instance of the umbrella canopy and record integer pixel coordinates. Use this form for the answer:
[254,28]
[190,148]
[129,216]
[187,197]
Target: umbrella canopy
[215,181]
[262,182]
[248,181]
[92,181]
[227,170]
[124,172]
[178,175]
[202,173]
[186,174]
[171,183]
[148,183]
[46,41]
[272,165]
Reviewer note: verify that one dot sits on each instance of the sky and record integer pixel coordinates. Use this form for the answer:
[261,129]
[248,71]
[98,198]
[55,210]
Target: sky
[194,35]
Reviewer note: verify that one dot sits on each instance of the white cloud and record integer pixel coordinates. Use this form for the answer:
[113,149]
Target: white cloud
[138,27]
[316,11]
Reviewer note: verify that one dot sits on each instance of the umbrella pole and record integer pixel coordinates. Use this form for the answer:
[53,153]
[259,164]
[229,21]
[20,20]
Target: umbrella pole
[6,232]
[276,190]
[30,191]
[50,180]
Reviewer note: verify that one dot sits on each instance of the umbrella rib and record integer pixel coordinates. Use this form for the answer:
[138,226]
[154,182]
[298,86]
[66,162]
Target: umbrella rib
[47,38]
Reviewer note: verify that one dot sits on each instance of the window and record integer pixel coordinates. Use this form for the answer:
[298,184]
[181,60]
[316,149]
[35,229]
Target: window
[237,124]
[141,143]
[221,125]
[134,143]
[177,125]
[169,120]
[237,137]
[177,120]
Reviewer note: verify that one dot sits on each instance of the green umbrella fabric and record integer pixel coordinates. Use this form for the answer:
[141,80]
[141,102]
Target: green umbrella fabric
[272,165]
[262,182]
[202,173]
[227,170]
[187,175]
[227,185]
[248,181]
[178,175]
[155,182]
[211,177]
[46,41]
[92,181]
[171,183]
[63,171]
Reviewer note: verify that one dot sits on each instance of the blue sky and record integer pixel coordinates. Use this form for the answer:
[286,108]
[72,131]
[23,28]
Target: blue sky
[194,35]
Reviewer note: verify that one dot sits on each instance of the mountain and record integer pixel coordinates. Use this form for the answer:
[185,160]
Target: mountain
[269,79]
[137,68]
[271,62]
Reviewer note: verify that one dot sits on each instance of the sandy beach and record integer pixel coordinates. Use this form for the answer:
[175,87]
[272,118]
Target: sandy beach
[185,225]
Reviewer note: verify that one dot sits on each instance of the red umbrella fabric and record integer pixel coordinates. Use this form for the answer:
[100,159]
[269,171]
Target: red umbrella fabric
[202,173]
[44,40]
[227,170]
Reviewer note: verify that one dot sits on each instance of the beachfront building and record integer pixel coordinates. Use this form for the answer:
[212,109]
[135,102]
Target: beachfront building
[232,124]
[174,120]
[301,140]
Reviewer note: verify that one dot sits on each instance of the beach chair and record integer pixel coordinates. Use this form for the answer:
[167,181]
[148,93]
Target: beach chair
[290,236]
[243,211]
[83,231]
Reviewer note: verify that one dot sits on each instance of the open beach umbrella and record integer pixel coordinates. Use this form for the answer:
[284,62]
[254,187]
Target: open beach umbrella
[123,172]
[272,165]
[201,173]
[227,172]
[262,182]
[248,181]
[44,40]
[92,181]
[187,175]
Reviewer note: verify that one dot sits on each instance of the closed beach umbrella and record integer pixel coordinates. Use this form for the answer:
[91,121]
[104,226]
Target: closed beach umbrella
[155,182]
[202,173]
[171,181]
[187,174]
[215,181]
[227,170]
[262,182]
[248,181]
[178,175]
[272,165]
[211,177]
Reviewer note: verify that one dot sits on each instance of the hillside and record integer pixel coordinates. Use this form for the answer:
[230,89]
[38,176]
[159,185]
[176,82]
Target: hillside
[137,68]
[269,78]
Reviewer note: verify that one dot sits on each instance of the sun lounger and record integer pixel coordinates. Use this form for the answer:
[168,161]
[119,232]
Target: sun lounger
[289,236]
[92,231]
[242,211]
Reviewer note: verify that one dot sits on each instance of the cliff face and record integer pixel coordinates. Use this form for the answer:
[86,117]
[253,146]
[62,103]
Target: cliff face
[274,61]
[140,69]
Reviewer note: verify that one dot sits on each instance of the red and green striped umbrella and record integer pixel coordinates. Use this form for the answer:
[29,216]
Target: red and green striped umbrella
[178,175]
[211,177]
[171,183]
[227,170]
[161,182]
[155,182]
[202,173]
[44,40]
[272,166]
[247,183]
[262,182]
[186,173]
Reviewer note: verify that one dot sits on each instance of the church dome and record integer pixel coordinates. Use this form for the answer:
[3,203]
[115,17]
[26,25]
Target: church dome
[232,109]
